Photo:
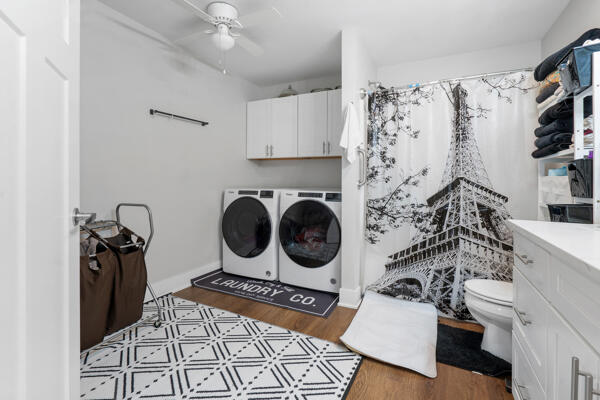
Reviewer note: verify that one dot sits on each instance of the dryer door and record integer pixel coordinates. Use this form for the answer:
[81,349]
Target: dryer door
[246,227]
[309,233]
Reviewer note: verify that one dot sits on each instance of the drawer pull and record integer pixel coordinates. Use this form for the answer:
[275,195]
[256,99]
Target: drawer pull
[519,387]
[521,315]
[589,382]
[524,259]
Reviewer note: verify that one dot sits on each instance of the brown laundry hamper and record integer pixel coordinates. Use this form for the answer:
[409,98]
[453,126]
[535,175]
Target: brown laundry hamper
[113,279]
[129,283]
[95,296]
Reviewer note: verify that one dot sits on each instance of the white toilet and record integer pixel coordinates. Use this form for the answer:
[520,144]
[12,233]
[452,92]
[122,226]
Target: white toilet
[490,303]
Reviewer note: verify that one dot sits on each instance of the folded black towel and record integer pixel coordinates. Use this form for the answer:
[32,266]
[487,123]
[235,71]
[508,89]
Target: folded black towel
[552,61]
[559,125]
[558,137]
[563,110]
[549,150]
[547,92]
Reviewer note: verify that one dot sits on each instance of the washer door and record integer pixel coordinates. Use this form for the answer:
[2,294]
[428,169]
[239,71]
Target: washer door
[310,233]
[246,227]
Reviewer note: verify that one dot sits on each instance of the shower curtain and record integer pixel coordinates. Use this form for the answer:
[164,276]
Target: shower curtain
[447,165]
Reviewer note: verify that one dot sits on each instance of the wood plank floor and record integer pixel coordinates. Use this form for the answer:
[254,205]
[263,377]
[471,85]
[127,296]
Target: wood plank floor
[375,380]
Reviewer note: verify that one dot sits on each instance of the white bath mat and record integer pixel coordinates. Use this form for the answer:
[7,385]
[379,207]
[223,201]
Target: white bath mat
[395,331]
[201,352]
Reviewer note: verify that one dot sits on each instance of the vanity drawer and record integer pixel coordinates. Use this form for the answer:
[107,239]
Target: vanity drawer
[532,261]
[525,384]
[530,323]
[577,298]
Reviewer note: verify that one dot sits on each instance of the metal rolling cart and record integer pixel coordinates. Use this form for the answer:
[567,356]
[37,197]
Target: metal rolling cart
[104,225]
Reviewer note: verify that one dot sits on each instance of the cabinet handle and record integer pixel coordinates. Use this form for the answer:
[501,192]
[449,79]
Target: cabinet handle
[328,147]
[519,387]
[521,315]
[589,382]
[267,151]
[524,259]
[271,150]
[323,147]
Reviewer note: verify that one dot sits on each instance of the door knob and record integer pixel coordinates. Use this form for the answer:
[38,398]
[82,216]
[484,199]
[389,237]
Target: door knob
[79,216]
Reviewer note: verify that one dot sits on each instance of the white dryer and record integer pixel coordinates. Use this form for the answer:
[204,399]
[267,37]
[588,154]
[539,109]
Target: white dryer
[310,239]
[249,226]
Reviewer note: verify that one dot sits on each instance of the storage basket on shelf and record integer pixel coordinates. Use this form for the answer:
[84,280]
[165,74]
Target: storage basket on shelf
[574,213]
[576,68]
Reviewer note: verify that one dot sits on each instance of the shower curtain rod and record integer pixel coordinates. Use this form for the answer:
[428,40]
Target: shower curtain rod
[377,84]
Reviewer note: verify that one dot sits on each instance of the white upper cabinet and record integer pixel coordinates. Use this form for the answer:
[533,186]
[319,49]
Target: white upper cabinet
[284,127]
[334,122]
[307,125]
[258,129]
[312,124]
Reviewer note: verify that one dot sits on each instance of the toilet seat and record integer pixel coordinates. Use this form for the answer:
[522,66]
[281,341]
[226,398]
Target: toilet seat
[492,291]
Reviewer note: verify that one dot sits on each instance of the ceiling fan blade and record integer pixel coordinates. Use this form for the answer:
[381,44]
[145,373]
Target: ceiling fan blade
[258,17]
[140,32]
[200,13]
[181,53]
[250,46]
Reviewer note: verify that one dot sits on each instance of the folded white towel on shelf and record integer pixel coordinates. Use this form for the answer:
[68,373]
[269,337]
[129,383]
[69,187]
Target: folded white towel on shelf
[353,131]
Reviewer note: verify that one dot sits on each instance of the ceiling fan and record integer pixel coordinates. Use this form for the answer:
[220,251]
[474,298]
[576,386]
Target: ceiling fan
[227,24]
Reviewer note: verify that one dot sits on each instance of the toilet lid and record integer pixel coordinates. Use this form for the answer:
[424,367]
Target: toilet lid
[495,291]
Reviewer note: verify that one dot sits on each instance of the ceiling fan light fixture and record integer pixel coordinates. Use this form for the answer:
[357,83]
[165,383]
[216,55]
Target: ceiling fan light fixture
[222,39]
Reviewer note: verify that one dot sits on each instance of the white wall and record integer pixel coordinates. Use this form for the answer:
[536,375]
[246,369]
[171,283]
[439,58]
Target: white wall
[179,169]
[458,65]
[577,17]
[357,69]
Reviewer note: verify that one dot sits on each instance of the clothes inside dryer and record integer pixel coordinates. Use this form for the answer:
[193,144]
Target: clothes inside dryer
[309,233]
[246,227]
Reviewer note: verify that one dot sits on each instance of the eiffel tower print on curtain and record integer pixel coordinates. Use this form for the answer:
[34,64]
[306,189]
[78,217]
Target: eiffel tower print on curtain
[466,236]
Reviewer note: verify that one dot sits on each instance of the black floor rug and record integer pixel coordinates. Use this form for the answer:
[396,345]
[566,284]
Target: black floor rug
[462,348]
[271,292]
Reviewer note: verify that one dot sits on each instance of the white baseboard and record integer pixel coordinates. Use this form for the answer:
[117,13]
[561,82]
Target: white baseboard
[350,298]
[181,281]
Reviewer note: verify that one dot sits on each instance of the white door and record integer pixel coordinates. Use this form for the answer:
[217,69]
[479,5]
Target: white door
[39,187]
[312,125]
[334,122]
[284,127]
[258,129]
[563,345]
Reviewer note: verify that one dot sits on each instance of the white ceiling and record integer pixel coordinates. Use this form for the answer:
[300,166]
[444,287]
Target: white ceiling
[306,41]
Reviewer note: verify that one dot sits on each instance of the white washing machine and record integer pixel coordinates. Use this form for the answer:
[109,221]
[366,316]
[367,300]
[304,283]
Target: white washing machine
[310,239]
[249,226]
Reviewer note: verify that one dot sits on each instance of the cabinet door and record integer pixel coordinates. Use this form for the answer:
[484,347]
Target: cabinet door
[284,127]
[564,344]
[312,125]
[258,128]
[334,122]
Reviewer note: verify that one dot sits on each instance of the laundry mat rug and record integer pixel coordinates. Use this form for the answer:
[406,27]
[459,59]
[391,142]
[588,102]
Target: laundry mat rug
[271,292]
[202,352]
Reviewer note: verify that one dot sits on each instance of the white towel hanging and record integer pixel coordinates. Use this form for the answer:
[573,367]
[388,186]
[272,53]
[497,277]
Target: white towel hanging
[353,131]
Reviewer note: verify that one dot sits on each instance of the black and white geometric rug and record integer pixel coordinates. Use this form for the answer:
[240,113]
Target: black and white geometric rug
[202,352]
